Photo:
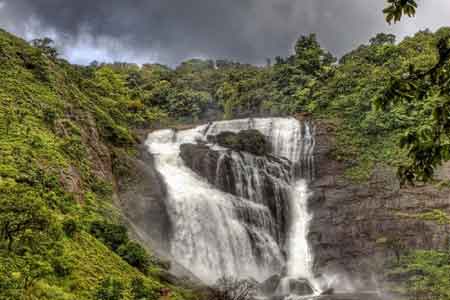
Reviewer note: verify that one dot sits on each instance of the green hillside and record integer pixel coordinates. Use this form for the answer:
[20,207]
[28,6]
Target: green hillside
[60,234]
[64,130]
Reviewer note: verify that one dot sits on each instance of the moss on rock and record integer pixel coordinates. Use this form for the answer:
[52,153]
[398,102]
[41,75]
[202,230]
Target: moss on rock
[251,141]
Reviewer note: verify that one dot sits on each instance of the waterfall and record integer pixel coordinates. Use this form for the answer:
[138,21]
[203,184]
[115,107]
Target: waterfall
[233,213]
[299,260]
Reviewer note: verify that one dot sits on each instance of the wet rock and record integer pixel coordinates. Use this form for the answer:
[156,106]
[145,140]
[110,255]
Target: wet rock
[269,286]
[251,141]
[329,291]
[261,179]
[294,286]
[300,287]
[142,198]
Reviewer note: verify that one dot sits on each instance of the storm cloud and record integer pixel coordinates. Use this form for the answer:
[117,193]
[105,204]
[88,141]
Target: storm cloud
[169,31]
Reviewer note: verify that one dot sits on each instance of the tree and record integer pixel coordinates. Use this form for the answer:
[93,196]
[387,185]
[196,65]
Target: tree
[397,8]
[294,77]
[110,83]
[383,39]
[112,235]
[227,96]
[187,103]
[70,227]
[426,93]
[310,57]
[47,46]
[32,268]
[21,211]
[135,255]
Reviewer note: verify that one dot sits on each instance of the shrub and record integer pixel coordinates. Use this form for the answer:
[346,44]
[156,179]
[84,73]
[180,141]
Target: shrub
[142,291]
[49,115]
[101,187]
[62,266]
[135,255]
[23,213]
[112,235]
[110,289]
[70,227]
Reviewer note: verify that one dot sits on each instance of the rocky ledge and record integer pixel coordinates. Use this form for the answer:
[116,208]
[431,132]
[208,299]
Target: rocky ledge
[251,141]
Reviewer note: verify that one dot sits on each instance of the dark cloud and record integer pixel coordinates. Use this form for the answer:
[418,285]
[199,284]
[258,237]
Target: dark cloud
[172,30]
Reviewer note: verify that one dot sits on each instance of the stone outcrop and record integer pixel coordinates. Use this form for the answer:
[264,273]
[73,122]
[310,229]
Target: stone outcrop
[358,227]
[269,286]
[300,287]
[142,196]
[276,287]
[260,179]
[219,168]
[251,141]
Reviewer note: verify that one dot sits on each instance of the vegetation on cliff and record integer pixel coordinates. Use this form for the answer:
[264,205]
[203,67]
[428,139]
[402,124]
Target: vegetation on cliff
[62,130]
[65,128]
[251,141]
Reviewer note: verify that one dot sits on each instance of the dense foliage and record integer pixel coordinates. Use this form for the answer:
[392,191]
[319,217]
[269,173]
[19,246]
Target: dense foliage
[424,92]
[61,126]
[424,273]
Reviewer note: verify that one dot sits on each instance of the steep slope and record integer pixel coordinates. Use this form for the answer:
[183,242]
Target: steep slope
[63,134]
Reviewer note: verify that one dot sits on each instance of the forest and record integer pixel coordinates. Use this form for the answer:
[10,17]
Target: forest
[61,234]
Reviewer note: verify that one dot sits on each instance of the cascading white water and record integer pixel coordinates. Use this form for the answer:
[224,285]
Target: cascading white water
[299,260]
[289,139]
[210,236]
[207,235]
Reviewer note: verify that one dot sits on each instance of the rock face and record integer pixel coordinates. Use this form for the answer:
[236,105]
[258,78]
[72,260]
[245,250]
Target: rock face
[358,227]
[269,286]
[220,168]
[142,195]
[262,179]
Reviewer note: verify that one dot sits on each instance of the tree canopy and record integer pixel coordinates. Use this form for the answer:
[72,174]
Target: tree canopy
[397,8]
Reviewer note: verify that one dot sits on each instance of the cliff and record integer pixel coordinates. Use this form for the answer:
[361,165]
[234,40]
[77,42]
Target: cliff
[359,228]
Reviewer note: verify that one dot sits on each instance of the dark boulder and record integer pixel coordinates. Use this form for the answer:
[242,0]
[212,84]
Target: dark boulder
[202,160]
[276,287]
[269,286]
[251,141]
[300,287]
[329,291]
[225,139]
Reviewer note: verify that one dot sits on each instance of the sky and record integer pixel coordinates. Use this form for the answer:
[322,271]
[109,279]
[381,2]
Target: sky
[170,31]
